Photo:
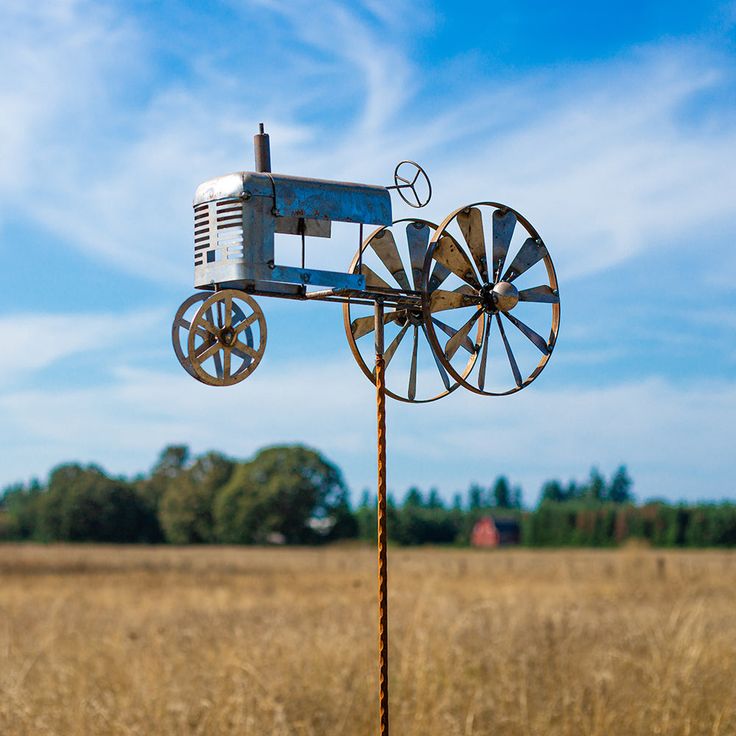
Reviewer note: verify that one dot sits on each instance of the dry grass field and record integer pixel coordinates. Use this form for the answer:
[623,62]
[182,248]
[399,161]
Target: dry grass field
[108,640]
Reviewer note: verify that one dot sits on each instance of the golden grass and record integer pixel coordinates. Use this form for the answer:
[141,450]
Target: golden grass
[115,640]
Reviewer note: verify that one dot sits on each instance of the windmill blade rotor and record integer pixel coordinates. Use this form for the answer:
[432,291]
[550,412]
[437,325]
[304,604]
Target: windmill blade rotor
[384,244]
[449,253]
[412,393]
[417,238]
[365,325]
[503,230]
[544,294]
[452,345]
[484,355]
[441,299]
[531,252]
[537,339]
[509,352]
[471,225]
[373,280]
[393,347]
[467,343]
[440,368]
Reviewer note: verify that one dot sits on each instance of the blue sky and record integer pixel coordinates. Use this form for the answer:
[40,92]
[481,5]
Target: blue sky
[611,126]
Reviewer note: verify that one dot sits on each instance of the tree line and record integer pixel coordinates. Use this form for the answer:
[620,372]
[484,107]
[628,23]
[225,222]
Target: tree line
[294,495]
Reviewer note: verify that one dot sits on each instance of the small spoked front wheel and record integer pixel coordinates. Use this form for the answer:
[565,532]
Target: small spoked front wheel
[227,338]
[498,278]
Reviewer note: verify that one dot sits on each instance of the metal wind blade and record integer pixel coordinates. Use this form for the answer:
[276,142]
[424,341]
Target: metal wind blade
[540,294]
[373,280]
[538,340]
[391,349]
[471,224]
[503,231]
[443,373]
[418,240]
[456,340]
[439,273]
[462,297]
[484,355]
[530,253]
[365,325]
[413,372]
[509,353]
[385,247]
[450,254]
[467,343]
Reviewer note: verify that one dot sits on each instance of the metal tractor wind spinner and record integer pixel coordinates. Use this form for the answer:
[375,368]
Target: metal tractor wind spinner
[445,289]
[430,295]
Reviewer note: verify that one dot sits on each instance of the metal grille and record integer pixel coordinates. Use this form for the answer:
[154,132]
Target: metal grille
[218,231]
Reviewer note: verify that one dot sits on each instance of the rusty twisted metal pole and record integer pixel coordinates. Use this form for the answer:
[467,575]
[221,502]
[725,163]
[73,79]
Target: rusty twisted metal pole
[382,536]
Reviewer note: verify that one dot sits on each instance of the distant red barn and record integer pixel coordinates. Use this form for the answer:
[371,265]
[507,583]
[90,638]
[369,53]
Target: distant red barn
[490,532]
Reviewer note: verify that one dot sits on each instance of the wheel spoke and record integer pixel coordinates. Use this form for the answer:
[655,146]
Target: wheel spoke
[449,253]
[208,324]
[509,353]
[471,224]
[391,349]
[467,343]
[238,315]
[226,362]
[456,340]
[244,351]
[208,352]
[247,322]
[373,280]
[540,294]
[538,340]
[440,368]
[503,231]
[228,311]
[218,364]
[484,355]
[418,240]
[530,253]
[413,372]
[385,247]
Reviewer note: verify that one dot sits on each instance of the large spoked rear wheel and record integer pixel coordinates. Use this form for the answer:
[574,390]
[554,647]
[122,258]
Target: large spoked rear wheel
[498,283]
[227,338]
[392,260]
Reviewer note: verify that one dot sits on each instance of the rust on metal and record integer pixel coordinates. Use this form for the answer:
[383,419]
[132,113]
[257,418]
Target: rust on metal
[380,376]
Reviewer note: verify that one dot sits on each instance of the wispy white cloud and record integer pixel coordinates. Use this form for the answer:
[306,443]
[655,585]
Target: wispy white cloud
[33,342]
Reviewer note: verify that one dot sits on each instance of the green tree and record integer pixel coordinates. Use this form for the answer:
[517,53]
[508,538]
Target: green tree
[596,487]
[83,504]
[290,491]
[186,511]
[501,493]
[21,505]
[552,490]
[619,489]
